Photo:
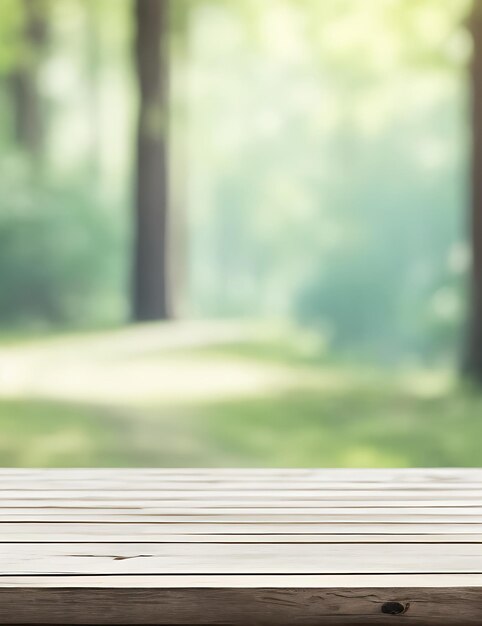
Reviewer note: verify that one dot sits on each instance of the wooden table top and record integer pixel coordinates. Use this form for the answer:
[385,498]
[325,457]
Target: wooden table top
[241,547]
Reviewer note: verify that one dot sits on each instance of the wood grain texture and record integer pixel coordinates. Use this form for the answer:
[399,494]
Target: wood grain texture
[287,517]
[239,533]
[104,530]
[230,558]
[243,581]
[241,607]
[264,547]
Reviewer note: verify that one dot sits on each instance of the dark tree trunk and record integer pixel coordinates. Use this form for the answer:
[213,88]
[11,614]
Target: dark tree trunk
[27,102]
[473,360]
[151,283]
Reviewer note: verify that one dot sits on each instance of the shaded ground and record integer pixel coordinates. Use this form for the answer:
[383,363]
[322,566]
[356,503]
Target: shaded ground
[207,395]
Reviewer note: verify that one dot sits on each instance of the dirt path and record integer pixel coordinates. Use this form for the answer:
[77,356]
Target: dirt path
[137,365]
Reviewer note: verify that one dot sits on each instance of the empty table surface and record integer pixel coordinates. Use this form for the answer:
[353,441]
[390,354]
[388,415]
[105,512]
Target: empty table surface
[241,547]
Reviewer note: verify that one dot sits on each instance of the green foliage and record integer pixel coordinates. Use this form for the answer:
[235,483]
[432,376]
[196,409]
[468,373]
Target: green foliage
[404,222]
[60,256]
[10,27]
[320,166]
[332,154]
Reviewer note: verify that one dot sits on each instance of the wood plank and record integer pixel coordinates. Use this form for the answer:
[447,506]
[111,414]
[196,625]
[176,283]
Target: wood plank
[242,479]
[281,581]
[95,501]
[328,474]
[241,607]
[119,534]
[264,547]
[207,507]
[388,516]
[182,558]
[85,532]
[200,493]
[132,484]
[227,495]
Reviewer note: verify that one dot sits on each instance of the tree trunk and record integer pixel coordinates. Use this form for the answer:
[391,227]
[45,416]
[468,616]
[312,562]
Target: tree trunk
[473,358]
[151,282]
[27,103]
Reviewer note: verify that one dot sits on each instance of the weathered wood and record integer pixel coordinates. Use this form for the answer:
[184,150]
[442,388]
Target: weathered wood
[50,500]
[240,533]
[279,478]
[327,516]
[240,607]
[311,513]
[240,547]
[218,558]
[156,535]
[291,497]
[269,533]
[244,581]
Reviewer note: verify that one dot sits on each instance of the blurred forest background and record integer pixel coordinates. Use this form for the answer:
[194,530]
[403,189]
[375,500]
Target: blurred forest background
[236,232]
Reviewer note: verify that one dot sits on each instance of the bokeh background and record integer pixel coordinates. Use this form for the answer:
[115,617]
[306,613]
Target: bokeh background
[240,233]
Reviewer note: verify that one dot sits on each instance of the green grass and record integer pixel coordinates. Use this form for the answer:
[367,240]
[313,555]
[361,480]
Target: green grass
[320,416]
[358,429]
[47,434]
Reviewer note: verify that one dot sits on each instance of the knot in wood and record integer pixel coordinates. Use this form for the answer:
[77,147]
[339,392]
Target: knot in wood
[394,608]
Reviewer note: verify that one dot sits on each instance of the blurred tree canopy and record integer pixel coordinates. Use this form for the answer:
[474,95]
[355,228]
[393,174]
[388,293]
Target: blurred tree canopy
[319,164]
